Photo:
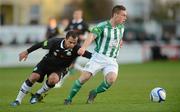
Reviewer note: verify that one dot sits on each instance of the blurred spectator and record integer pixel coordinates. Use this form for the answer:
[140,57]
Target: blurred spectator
[156,52]
[77,24]
[1,43]
[178,38]
[63,25]
[141,37]
[166,37]
[129,36]
[14,41]
[52,29]
[28,40]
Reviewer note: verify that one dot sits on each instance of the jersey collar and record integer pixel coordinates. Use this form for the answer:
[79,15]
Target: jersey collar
[62,44]
[77,21]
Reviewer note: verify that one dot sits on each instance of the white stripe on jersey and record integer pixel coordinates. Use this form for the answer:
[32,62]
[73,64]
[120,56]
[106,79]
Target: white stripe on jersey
[110,42]
[118,37]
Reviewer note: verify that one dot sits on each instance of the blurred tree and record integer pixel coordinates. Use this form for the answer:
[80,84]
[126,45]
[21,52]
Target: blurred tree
[69,9]
[97,10]
[164,12]
[94,10]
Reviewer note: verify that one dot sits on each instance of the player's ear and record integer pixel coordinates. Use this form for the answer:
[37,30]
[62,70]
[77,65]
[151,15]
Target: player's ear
[66,39]
[115,15]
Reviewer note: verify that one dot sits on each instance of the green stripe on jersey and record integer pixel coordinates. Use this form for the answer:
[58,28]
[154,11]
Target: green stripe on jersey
[99,42]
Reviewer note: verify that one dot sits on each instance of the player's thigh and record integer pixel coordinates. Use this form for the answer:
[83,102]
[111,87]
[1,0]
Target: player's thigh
[39,72]
[81,61]
[111,71]
[92,67]
[85,76]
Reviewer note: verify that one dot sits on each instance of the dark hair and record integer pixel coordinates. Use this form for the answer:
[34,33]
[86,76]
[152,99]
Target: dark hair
[117,9]
[78,9]
[71,34]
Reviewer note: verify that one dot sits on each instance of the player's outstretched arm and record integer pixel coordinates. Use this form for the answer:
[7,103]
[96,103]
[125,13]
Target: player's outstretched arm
[86,43]
[23,55]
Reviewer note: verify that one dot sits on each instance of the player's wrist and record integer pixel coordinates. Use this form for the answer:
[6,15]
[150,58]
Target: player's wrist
[83,48]
[27,51]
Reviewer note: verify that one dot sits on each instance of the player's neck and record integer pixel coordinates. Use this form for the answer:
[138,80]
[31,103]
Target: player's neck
[64,45]
[112,22]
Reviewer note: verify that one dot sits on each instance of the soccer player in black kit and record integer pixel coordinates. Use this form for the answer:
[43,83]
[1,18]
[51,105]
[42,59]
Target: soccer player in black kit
[62,52]
[78,25]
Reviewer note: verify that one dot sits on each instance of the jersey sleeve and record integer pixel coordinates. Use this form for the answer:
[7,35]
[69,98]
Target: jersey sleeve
[34,47]
[97,30]
[87,54]
[47,44]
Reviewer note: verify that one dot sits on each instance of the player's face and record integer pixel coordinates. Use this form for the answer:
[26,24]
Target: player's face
[77,15]
[120,17]
[70,42]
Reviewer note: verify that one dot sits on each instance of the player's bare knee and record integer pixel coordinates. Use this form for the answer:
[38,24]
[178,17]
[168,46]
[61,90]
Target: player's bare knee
[85,76]
[110,80]
[53,79]
[34,77]
[52,82]
[111,77]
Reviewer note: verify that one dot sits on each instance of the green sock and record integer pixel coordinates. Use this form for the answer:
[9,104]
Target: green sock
[72,71]
[102,87]
[75,88]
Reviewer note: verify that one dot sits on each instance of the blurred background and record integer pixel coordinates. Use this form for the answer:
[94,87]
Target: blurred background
[152,29]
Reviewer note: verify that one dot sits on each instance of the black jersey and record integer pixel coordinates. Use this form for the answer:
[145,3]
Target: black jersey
[79,27]
[58,56]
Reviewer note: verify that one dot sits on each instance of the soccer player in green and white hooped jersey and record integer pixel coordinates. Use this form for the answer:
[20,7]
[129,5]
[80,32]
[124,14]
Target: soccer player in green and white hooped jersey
[108,37]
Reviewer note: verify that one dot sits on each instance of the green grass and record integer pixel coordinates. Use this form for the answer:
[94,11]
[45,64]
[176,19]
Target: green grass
[130,93]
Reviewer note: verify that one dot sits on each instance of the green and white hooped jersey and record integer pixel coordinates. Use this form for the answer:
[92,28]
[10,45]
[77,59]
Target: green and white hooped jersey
[108,38]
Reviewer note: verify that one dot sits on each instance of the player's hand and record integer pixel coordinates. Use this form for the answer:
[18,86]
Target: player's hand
[23,56]
[121,43]
[81,51]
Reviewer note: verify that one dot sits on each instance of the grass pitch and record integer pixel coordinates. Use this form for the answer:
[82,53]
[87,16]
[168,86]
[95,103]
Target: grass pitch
[130,93]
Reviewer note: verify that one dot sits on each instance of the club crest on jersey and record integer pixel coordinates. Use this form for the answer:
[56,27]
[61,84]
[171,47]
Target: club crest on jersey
[79,27]
[114,43]
[55,53]
[68,53]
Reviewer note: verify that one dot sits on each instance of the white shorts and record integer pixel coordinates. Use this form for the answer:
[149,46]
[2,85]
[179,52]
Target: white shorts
[101,62]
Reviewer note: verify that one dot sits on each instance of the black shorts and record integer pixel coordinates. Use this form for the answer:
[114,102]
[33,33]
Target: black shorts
[44,69]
